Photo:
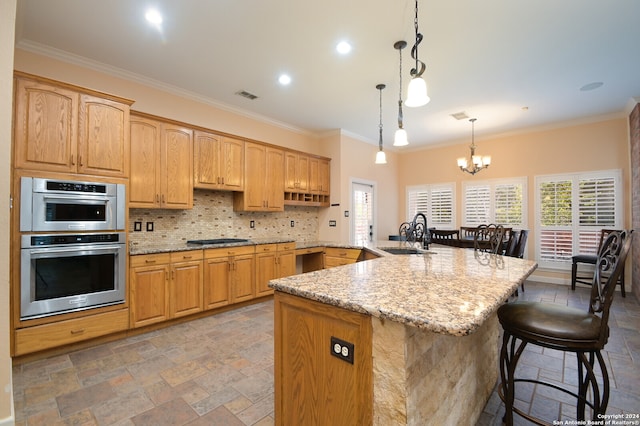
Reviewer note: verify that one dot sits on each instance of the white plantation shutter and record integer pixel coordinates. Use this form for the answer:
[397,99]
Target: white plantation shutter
[441,213]
[555,244]
[477,205]
[436,202]
[500,201]
[571,210]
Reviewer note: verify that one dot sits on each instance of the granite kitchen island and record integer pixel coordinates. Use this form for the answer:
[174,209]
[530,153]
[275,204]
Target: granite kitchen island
[401,339]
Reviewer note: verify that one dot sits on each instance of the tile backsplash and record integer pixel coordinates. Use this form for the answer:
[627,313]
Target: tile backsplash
[212,216]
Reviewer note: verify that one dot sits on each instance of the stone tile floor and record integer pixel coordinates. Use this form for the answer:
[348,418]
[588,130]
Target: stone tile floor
[219,371]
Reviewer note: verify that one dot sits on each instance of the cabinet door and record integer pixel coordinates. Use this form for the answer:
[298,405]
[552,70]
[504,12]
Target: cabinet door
[144,183]
[290,171]
[232,164]
[176,167]
[206,160]
[324,177]
[274,189]
[103,139]
[149,301]
[255,172]
[46,123]
[185,288]
[302,172]
[286,264]
[242,278]
[216,282]
[266,270]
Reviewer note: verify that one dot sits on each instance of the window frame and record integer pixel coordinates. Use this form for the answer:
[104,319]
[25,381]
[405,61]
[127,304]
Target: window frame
[429,189]
[490,210]
[584,238]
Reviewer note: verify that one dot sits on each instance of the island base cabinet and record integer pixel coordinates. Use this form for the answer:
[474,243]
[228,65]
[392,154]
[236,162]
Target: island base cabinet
[312,386]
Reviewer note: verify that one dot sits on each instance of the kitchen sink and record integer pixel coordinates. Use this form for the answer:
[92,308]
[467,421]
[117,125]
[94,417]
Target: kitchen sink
[218,241]
[402,250]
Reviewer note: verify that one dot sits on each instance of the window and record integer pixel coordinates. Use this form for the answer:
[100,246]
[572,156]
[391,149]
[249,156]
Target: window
[497,201]
[436,202]
[570,212]
[362,221]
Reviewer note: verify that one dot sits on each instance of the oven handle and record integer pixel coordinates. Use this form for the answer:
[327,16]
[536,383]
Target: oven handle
[85,199]
[79,250]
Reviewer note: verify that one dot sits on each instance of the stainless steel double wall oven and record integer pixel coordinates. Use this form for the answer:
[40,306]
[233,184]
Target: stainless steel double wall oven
[73,246]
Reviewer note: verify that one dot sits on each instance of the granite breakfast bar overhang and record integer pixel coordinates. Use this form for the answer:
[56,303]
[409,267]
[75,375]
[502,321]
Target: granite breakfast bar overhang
[424,331]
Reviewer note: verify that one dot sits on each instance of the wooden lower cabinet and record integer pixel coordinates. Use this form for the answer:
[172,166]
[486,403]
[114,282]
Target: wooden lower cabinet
[340,256]
[229,276]
[273,261]
[185,286]
[165,286]
[47,336]
[312,386]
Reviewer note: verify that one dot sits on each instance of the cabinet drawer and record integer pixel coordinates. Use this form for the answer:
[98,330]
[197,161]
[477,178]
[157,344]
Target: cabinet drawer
[266,248]
[149,259]
[186,256]
[33,339]
[229,251]
[286,246]
[342,252]
[330,261]
[309,250]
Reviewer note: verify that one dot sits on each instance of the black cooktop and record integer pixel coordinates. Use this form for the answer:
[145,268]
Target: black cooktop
[218,241]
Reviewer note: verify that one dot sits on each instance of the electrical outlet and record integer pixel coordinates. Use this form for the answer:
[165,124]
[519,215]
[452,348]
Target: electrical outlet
[342,349]
[332,223]
[293,223]
[137,226]
[252,224]
[150,226]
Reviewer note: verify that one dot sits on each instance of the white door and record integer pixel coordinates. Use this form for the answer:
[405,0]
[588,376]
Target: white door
[362,226]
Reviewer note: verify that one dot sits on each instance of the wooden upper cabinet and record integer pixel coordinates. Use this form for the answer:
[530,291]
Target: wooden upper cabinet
[103,140]
[161,165]
[264,179]
[296,172]
[176,166]
[60,128]
[319,177]
[218,162]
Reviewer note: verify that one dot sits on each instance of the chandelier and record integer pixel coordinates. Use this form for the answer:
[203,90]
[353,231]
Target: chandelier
[477,162]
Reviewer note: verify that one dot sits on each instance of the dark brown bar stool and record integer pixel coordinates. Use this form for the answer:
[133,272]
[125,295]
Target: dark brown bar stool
[590,259]
[566,329]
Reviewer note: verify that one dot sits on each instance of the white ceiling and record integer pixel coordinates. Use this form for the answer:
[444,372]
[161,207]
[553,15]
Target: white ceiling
[488,58]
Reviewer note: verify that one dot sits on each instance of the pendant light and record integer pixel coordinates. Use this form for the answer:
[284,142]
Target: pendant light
[417,92]
[400,138]
[381,157]
[477,162]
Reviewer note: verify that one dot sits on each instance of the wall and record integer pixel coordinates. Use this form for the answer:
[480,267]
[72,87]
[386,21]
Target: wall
[634,138]
[7,29]
[596,145]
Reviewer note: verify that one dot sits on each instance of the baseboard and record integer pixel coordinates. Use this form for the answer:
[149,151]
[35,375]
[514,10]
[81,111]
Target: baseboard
[9,421]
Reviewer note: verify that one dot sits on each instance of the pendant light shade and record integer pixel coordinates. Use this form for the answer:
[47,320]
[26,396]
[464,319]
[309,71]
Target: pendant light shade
[417,91]
[417,94]
[381,157]
[400,138]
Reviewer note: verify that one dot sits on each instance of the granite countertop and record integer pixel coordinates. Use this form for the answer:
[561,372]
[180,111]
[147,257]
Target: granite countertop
[445,290]
[175,246]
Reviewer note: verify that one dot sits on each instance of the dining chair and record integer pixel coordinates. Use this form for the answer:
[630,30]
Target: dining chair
[489,238]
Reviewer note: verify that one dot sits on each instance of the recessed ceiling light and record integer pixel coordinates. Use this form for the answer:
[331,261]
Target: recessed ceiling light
[284,79]
[591,86]
[153,16]
[343,47]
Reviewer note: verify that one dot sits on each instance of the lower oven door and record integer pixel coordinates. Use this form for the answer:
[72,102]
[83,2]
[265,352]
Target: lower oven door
[61,279]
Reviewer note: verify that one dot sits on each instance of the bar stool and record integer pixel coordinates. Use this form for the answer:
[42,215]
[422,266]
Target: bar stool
[590,259]
[566,329]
